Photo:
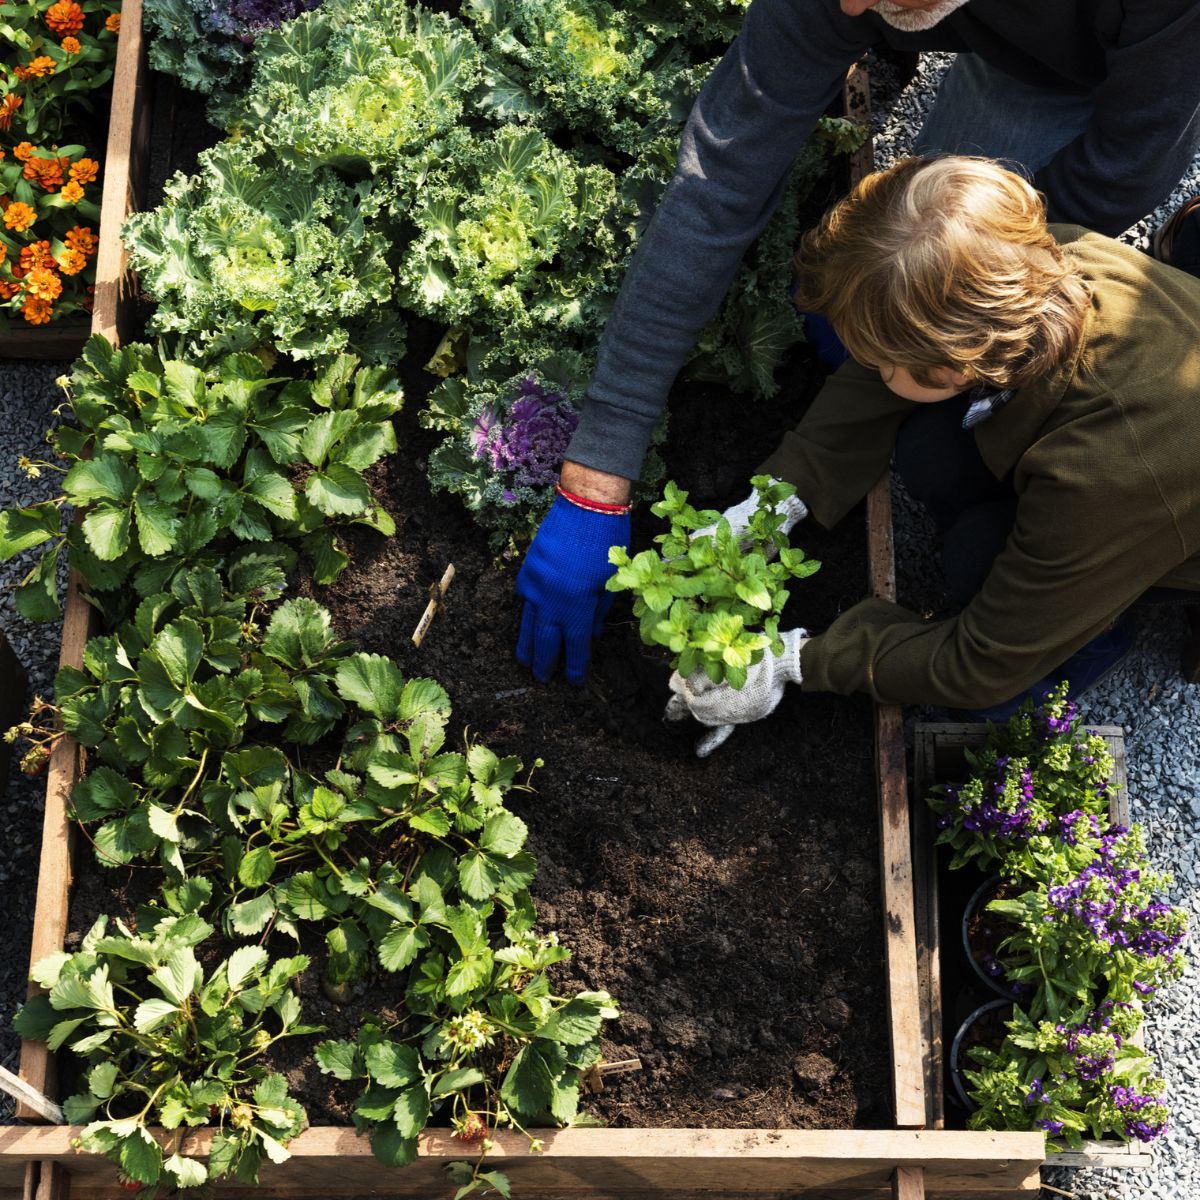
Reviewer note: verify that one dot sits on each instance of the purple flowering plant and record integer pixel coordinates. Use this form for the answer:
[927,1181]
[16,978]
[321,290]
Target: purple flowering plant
[1036,770]
[1075,1078]
[504,447]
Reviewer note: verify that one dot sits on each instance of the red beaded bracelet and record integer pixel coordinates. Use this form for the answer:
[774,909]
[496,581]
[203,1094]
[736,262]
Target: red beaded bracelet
[596,506]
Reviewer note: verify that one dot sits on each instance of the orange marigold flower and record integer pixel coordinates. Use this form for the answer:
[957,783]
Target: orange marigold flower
[83,239]
[72,262]
[72,193]
[18,216]
[3,252]
[8,109]
[43,283]
[36,255]
[113,24]
[23,150]
[8,290]
[71,45]
[65,16]
[85,170]
[22,73]
[37,312]
[40,66]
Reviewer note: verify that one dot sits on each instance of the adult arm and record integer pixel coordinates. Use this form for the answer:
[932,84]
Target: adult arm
[745,130]
[1071,565]
[1145,127]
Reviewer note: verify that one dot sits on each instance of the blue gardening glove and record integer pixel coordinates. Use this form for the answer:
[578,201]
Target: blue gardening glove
[562,583]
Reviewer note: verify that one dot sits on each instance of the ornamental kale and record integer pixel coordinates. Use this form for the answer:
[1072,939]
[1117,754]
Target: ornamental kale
[165,1043]
[504,448]
[1061,1077]
[251,253]
[207,43]
[712,600]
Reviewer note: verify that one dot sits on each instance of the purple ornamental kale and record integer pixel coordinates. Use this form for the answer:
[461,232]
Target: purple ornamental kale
[244,19]
[530,439]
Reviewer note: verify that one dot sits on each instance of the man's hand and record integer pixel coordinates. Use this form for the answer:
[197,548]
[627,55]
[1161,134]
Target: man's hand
[723,707]
[562,579]
[738,515]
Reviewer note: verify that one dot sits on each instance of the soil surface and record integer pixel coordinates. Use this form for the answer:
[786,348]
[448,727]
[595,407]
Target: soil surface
[731,905]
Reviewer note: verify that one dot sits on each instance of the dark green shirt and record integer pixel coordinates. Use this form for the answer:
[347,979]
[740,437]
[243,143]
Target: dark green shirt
[1105,456]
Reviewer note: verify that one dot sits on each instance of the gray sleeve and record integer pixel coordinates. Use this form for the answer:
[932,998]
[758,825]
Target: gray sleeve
[1145,127]
[750,121]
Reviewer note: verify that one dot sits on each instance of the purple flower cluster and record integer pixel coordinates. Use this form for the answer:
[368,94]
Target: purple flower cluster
[1000,808]
[1105,898]
[1056,717]
[1145,1116]
[1068,825]
[526,438]
[244,19]
[1092,1044]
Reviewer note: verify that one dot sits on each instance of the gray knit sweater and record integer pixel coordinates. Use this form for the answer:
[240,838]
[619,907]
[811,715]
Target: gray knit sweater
[1139,59]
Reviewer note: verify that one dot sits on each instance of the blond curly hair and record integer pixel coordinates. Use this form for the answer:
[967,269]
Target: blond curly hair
[945,262]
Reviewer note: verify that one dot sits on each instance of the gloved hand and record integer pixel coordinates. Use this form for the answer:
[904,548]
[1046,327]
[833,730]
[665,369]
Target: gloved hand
[562,583]
[738,515]
[723,707]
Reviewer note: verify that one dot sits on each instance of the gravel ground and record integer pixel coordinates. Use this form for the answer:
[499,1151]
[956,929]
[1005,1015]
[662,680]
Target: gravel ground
[1161,718]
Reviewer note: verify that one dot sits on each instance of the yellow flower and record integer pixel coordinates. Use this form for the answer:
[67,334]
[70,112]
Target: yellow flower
[72,261]
[19,216]
[37,312]
[83,239]
[72,192]
[43,283]
[40,66]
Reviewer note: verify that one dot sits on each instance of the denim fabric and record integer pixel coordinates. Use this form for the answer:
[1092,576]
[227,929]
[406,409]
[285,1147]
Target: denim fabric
[981,110]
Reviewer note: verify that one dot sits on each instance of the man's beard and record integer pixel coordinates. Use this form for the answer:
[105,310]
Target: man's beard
[912,20]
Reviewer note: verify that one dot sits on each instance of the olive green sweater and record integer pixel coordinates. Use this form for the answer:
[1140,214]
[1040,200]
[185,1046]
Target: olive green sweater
[1105,455]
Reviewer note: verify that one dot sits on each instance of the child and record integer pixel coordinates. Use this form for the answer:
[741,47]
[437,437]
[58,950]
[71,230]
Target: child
[1041,388]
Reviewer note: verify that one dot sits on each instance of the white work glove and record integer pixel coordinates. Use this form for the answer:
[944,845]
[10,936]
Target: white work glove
[738,515]
[723,707]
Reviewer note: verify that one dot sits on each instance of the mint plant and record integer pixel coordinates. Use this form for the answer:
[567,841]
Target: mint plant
[167,1043]
[713,600]
[169,461]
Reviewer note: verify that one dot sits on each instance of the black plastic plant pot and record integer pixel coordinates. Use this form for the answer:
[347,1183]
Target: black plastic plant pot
[994,979]
[958,1050]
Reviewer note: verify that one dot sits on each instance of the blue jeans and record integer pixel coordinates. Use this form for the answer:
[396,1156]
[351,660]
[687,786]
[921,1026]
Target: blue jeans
[980,110]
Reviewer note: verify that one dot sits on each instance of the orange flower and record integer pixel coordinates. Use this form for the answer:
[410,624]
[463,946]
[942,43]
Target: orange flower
[72,262]
[47,171]
[37,255]
[85,170]
[37,312]
[40,66]
[8,109]
[3,252]
[113,24]
[22,73]
[65,16]
[71,45]
[22,150]
[83,239]
[72,193]
[8,290]
[43,283]
[89,301]
[18,216]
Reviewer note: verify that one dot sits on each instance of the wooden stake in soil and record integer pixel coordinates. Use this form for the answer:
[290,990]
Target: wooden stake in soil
[18,1089]
[437,593]
[593,1080]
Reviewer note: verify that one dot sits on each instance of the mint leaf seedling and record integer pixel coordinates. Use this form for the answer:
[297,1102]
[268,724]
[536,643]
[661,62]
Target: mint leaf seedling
[714,599]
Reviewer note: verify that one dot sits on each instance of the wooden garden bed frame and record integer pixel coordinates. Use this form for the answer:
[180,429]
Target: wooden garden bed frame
[124,163]
[938,758]
[908,1162]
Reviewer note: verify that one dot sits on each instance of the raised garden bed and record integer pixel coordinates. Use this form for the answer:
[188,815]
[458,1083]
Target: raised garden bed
[680,886]
[949,990]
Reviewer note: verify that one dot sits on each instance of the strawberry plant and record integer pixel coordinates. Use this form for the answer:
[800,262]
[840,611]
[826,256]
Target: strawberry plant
[166,1042]
[713,600]
[169,460]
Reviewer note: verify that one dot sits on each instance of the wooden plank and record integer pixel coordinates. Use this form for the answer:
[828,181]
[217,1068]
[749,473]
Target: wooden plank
[614,1162]
[900,939]
[908,1183]
[938,757]
[59,341]
[856,104]
[123,167]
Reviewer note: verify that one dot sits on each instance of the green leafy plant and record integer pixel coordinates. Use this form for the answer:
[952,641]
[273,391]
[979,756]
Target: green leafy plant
[166,1042]
[169,460]
[251,252]
[713,600]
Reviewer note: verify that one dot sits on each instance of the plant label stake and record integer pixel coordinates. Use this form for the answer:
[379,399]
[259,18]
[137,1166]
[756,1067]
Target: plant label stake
[437,593]
[593,1080]
[28,1095]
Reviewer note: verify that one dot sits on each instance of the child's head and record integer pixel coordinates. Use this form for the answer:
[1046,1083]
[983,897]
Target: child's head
[945,265]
